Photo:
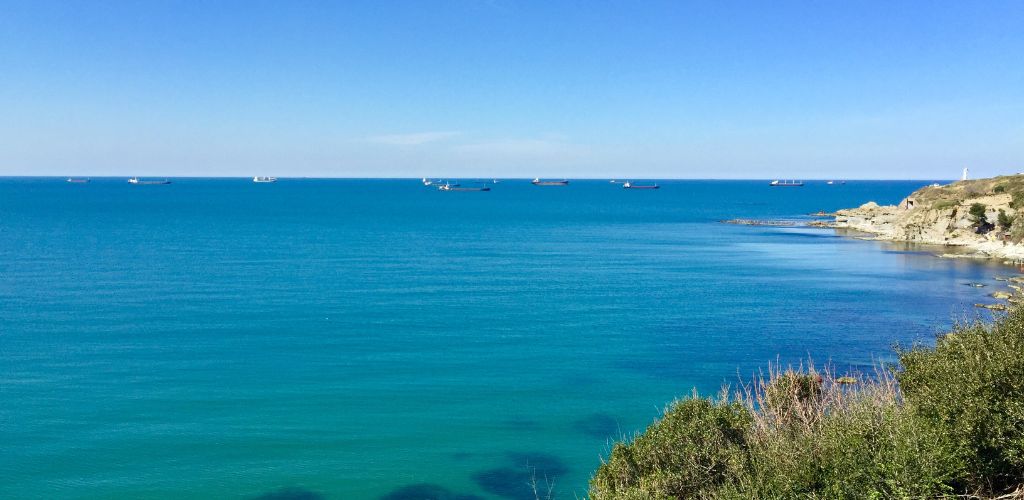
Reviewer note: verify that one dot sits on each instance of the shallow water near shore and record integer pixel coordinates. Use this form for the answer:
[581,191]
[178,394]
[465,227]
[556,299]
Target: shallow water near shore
[381,339]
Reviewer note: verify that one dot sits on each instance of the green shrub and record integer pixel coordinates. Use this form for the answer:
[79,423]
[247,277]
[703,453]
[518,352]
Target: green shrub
[791,391]
[1018,199]
[949,422]
[999,189]
[695,447]
[1004,221]
[866,448]
[971,386]
[945,204]
[977,213]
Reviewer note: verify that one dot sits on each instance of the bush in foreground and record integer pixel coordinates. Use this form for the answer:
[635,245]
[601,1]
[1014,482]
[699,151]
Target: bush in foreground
[949,421]
[971,387]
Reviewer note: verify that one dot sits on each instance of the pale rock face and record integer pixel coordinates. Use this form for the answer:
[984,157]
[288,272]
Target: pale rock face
[921,222]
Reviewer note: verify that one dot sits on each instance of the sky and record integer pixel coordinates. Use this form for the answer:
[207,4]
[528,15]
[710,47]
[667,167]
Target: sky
[473,88]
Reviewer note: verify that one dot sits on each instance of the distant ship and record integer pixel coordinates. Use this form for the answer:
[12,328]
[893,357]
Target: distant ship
[455,187]
[778,183]
[630,185]
[135,180]
[77,181]
[538,182]
[264,179]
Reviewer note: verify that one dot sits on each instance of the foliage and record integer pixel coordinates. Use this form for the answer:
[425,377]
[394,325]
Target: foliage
[1017,200]
[944,204]
[695,447]
[950,421]
[1004,221]
[977,213]
[971,386]
[999,189]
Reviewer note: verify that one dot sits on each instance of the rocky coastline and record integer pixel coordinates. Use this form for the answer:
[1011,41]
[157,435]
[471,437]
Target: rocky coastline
[978,216]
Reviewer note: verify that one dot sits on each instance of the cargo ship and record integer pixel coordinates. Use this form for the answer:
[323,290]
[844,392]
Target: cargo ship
[778,183]
[135,180]
[538,182]
[456,187]
[264,179]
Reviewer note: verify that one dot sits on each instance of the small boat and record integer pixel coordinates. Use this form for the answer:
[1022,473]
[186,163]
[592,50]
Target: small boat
[830,183]
[630,185]
[778,183]
[135,180]
[455,187]
[538,182]
[264,179]
[613,181]
[77,181]
[427,182]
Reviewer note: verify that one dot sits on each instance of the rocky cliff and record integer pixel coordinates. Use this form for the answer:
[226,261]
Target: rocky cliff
[942,215]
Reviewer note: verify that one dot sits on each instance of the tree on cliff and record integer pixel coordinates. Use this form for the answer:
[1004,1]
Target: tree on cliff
[1005,221]
[979,219]
[978,214]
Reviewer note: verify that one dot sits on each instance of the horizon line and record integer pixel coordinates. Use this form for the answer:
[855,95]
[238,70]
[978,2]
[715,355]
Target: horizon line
[453,177]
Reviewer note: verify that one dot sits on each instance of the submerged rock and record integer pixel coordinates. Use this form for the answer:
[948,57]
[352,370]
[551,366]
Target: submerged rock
[992,307]
[760,222]
[821,223]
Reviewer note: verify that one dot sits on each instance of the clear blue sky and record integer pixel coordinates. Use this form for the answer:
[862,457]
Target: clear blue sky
[846,89]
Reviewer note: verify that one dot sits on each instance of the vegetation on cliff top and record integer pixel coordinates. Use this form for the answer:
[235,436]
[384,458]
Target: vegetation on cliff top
[960,191]
[948,421]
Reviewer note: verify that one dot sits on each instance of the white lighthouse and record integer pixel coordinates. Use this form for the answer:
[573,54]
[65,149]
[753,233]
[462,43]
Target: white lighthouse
[964,177]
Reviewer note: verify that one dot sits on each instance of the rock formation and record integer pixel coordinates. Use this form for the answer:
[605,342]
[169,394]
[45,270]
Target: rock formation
[941,215]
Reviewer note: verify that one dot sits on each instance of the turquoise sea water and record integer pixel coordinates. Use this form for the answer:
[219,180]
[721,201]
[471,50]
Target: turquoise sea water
[376,338]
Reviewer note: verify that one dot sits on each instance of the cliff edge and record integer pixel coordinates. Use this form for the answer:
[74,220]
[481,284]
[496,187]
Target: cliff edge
[977,214]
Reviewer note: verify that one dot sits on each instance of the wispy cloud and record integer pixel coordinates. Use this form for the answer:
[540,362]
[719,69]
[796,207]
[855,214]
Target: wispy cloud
[413,139]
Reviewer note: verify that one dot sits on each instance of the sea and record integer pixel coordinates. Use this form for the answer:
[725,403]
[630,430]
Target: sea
[380,339]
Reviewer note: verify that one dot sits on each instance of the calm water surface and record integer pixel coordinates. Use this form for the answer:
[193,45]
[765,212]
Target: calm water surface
[376,338]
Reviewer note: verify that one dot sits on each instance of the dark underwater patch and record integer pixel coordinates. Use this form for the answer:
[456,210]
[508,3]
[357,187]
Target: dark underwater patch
[507,482]
[597,425]
[427,491]
[545,464]
[516,480]
[291,494]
